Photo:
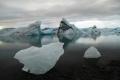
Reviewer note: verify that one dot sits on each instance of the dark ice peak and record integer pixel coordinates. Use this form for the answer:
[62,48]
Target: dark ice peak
[94,27]
[64,24]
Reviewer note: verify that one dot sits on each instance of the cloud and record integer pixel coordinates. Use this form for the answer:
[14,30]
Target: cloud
[28,10]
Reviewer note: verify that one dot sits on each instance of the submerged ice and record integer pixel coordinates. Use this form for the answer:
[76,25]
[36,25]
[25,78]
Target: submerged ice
[40,60]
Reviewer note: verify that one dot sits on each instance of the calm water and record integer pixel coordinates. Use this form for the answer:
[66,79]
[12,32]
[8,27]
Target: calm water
[71,65]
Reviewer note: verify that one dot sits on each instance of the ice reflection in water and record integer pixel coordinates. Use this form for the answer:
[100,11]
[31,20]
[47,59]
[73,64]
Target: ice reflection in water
[111,39]
[72,65]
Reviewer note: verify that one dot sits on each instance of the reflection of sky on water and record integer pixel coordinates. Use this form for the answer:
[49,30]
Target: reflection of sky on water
[113,39]
[107,45]
[1,42]
[86,41]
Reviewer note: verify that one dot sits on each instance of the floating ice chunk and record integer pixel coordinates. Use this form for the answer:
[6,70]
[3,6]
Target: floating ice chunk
[92,52]
[40,60]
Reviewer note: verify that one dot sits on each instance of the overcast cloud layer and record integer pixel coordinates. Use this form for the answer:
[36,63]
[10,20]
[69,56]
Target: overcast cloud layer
[14,12]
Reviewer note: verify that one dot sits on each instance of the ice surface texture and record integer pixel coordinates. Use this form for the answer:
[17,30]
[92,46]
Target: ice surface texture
[40,60]
[92,52]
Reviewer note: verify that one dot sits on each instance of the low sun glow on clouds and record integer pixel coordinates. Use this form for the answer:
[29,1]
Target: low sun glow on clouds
[1,27]
[84,13]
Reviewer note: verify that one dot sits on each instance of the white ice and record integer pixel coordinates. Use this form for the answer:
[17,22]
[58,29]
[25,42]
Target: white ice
[92,52]
[40,60]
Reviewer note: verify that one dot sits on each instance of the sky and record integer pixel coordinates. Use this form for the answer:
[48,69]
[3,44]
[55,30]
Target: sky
[82,13]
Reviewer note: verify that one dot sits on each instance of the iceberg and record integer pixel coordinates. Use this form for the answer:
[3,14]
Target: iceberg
[40,60]
[71,32]
[116,31]
[67,30]
[32,29]
[110,31]
[92,52]
[5,30]
[92,32]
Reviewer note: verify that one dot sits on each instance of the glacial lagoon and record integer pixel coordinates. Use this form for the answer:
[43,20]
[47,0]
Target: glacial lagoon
[28,59]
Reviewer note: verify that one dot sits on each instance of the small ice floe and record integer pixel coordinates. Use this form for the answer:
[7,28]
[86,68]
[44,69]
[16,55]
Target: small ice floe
[40,60]
[92,52]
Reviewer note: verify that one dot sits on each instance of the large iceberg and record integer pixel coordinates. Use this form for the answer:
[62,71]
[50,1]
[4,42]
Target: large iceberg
[71,32]
[40,60]
[32,29]
[92,52]
[67,30]
[5,30]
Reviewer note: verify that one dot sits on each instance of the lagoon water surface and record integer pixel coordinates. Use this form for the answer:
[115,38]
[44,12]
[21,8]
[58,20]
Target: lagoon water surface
[71,65]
